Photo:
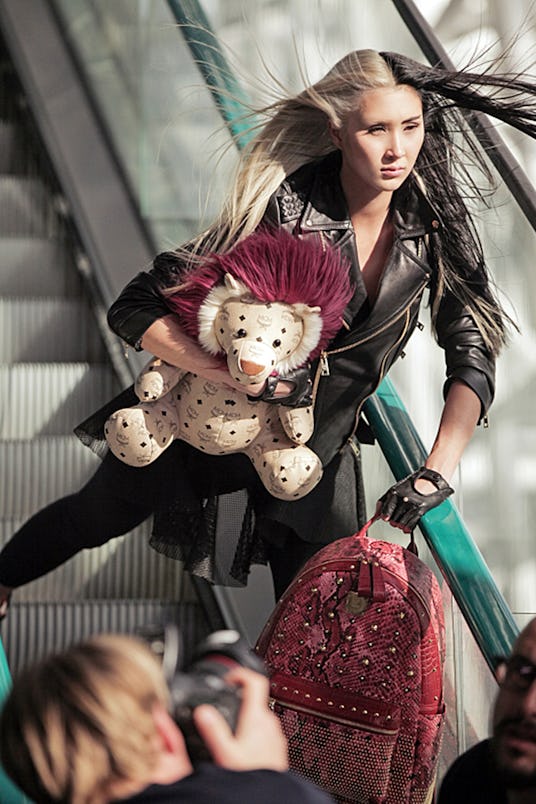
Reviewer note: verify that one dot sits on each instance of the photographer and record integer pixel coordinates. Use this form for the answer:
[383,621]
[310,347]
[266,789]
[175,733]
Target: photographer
[92,725]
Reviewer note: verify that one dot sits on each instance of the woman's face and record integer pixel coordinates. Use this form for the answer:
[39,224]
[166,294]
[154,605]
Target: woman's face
[381,140]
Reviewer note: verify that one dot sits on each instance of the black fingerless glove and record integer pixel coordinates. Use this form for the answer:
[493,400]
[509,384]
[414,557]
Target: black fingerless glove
[301,395]
[404,505]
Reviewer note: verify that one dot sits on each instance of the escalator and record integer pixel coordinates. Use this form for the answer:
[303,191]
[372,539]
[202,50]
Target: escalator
[114,72]
[57,363]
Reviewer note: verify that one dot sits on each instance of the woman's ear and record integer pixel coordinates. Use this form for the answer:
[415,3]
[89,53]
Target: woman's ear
[335,134]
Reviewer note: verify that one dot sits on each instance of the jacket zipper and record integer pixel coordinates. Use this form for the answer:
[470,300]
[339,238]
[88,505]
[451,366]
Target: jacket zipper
[349,440]
[273,702]
[323,364]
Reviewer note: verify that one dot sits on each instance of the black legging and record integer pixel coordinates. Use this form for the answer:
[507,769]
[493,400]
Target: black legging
[286,560]
[117,499]
[114,501]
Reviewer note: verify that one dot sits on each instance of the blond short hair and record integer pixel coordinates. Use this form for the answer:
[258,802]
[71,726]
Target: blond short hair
[80,721]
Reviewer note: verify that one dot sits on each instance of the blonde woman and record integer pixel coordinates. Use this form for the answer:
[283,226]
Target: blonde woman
[373,161]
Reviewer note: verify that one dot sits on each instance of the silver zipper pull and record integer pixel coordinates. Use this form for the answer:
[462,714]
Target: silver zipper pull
[324,365]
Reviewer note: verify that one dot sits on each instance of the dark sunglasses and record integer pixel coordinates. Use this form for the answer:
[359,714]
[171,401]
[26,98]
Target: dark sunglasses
[515,673]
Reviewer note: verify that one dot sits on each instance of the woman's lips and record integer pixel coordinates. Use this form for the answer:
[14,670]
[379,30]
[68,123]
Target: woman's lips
[392,172]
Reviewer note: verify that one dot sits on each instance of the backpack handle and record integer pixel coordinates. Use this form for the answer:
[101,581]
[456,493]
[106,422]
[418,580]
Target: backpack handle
[366,526]
[411,547]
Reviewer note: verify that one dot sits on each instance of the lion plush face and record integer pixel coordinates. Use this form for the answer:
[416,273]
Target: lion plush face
[257,337]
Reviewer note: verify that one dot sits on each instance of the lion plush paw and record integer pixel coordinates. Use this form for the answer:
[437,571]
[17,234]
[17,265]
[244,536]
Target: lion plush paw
[139,435]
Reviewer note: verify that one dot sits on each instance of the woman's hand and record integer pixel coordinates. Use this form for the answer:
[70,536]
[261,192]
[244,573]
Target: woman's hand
[424,491]
[404,503]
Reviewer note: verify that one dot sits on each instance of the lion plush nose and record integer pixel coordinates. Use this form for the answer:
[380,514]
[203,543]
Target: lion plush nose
[249,368]
[254,358]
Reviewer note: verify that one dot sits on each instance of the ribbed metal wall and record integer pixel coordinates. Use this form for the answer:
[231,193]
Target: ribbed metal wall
[34,473]
[46,398]
[53,626]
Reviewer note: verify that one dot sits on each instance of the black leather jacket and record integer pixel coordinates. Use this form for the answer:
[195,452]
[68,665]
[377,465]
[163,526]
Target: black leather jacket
[311,203]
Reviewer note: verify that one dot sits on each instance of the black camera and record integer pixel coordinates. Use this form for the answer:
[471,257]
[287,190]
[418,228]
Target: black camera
[202,681]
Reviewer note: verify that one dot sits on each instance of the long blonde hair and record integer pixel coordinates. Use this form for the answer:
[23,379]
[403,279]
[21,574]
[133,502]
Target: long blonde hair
[295,130]
[80,721]
[291,132]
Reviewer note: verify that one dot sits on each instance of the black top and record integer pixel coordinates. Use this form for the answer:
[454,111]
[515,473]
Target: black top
[210,784]
[472,779]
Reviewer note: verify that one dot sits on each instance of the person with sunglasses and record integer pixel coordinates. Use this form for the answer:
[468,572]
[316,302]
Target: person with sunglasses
[502,770]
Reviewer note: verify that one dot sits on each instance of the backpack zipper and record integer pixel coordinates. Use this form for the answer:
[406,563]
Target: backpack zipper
[348,565]
[305,710]
[342,565]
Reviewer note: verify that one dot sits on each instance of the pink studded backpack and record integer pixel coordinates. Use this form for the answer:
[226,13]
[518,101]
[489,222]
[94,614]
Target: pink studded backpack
[355,650]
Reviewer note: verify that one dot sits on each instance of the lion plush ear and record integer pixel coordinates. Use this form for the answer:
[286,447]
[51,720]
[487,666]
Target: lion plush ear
[208,311]
[312,330]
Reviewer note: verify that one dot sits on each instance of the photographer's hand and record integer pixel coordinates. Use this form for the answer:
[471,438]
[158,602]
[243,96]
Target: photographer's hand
[258,741]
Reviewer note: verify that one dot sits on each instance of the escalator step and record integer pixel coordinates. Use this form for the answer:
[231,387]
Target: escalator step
[50,399]
[34,473]
[32,630]
[36,330]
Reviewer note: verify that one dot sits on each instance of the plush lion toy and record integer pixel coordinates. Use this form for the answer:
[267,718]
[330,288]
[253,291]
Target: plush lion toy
[267,308]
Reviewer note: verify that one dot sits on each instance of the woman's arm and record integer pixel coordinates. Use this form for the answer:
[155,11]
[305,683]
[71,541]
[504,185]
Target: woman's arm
[165,339]
[460,415]
[141,317]
[404,503]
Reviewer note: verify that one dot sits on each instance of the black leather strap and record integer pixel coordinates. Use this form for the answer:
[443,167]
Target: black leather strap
[301,395]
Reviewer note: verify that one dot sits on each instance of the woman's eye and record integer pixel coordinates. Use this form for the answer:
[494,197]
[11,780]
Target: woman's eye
[376,129]
[276,343]
[241,333]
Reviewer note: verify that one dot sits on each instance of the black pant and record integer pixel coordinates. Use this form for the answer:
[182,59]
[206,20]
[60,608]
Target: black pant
[119,497]
[286,560]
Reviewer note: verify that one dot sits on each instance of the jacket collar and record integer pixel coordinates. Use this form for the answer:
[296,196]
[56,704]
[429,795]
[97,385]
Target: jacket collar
[325,209]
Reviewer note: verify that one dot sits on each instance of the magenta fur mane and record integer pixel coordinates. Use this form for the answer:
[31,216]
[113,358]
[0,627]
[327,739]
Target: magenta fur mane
[274,266]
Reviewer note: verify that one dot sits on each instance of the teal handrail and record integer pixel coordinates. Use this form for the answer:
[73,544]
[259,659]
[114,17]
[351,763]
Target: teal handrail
[453,548]
[9,794]
[454,551]
[207,54]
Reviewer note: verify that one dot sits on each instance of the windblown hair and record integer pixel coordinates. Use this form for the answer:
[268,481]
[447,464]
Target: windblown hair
[294,131]
[80,721]
[273,266]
